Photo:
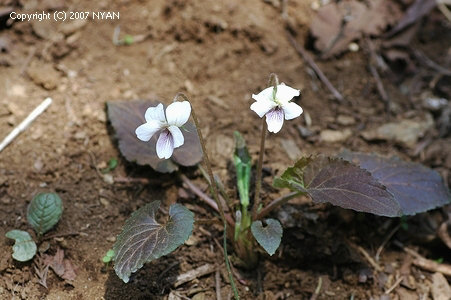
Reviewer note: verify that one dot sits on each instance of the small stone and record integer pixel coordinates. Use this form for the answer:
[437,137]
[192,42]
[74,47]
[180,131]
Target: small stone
[335,136]
[291,149]
[111,239]
[199,296]
[440,288]
[305,132]
[192,240]
[43,75]
[345,120]
[17,90]
[108,178]
[404,132]
[104,202]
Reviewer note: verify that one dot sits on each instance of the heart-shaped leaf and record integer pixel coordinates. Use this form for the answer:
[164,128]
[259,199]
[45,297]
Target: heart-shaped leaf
[44,212]
[416,187]
[268,236]
[341,183]
[24,248]
[143,239]
[126,116]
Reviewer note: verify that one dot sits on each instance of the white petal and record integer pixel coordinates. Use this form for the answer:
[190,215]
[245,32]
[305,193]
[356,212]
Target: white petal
[286,93]
[178,113]
[292,110]
[274,119]
[265,95]
[165,144]
[155,113]
[177,136]
[261,107]
[147,130]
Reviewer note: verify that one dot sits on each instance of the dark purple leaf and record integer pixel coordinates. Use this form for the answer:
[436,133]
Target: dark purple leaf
[341,183]
[143,239]
[126,116]
[416,187]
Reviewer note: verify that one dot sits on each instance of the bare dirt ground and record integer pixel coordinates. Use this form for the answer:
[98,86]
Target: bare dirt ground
[218,53]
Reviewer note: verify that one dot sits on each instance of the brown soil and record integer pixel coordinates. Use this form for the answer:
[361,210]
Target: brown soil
[218,53]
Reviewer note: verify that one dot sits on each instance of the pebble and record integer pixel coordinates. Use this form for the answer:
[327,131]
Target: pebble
[43,75]
[335,136]
[440,288]
[291,149]
[345,120]
[404,132]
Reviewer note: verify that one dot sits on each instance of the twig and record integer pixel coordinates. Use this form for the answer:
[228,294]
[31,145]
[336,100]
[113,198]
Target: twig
[25,123]
[218,285]
[443,234]
[25,64]
[389,236]
[374,264]
[168,269]
[428,264]
[380,86]
[205,197]
[401,278]
[60,235]
[430,63]
[444,10]
[315,67]
[275,203]
[318,289]
[193,274]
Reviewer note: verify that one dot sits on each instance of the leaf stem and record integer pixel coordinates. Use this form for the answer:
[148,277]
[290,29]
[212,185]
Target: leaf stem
[215,193]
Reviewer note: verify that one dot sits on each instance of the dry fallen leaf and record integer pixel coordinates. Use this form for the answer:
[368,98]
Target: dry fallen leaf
[338,24]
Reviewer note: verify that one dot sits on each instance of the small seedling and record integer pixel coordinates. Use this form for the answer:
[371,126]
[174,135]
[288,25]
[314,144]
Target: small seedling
[362,182]
[112,164]
[108,257]
[44,211]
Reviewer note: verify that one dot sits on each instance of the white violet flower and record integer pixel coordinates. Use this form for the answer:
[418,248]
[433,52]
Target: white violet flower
[177,114]
[276,105]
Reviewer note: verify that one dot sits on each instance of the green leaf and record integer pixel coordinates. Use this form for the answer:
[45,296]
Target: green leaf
[243,165]
[44,212]
[24,248]
[268,236]
[112,164]
[341,183]
[143,239]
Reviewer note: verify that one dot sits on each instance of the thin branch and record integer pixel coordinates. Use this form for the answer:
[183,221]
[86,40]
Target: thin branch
[204,197]
[315,67]
[274,204]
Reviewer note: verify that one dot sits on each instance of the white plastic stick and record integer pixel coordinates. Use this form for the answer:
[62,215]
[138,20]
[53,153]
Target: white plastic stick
[22,126]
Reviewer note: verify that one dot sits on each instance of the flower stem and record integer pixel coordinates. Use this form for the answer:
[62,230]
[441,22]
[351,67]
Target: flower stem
[273,81]
[215,194]
[258,180]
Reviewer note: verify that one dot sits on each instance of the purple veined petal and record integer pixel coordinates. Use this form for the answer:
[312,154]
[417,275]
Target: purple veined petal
[292,110]
[155,113]
[177,136]
[178,113]
[261,107]
[165,144]
[145,131]
[274,119]
[265,95]
[286,93]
